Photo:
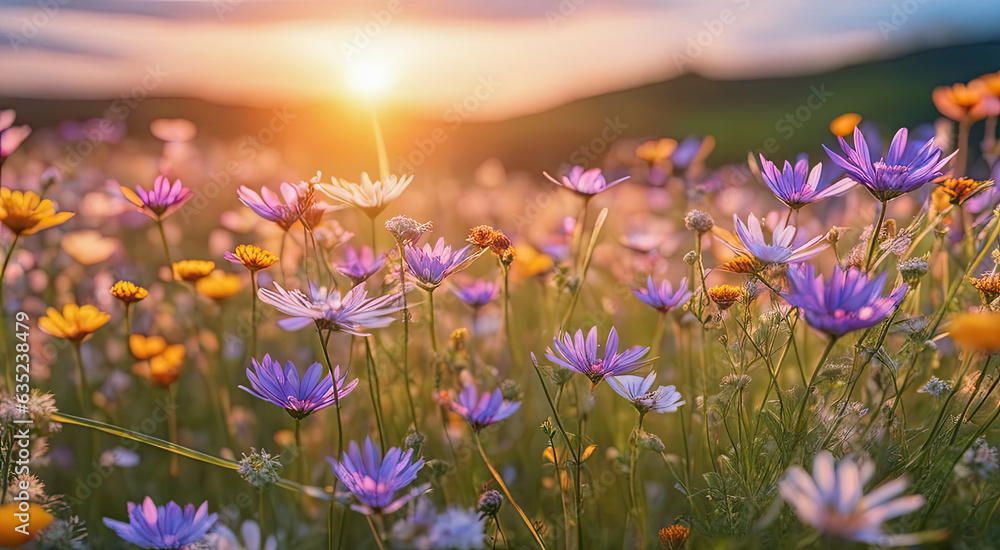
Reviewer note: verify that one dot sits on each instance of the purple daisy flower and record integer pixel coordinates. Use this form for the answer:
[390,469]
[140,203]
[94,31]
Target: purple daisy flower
[430,266]
[299,397]
[639,391]
[850,301]
[359,266]
[580,355]
[798,186]
[663,297]
[374,479]
[478,293]
[905,168]
[353,313]
[782,250]
[283,210]
[162,200]
[152,526]
[481,410]
[585,182]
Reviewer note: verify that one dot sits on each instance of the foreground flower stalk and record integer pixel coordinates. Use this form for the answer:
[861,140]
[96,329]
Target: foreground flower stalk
[506,491]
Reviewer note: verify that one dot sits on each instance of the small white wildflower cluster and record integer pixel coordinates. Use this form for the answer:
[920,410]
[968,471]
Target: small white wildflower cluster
[936,387]
[260,468]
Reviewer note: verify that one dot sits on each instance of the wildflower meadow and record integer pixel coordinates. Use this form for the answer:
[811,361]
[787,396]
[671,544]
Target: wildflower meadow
[791,351]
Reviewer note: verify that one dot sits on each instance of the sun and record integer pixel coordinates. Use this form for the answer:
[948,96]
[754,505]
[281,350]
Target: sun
[369,80]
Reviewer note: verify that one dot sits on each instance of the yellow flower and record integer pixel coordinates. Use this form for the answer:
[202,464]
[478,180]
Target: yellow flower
[75,322]
[165,368]
[656,151]
[146,347]
[192,270]
[674,537]
[531,262]
[368,196]
[976,331]
[88,247]
[988,287]
[218,285]
[845,124]
[128,292]
[746,265]
[725,296]
[960,190]
[38,519]
[252,257]
[26,213]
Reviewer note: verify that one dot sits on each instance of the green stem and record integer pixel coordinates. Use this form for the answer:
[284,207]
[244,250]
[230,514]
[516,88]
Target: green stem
[506,491]
[876,229]
[253,314]
[812,381]
[434,346]
[83,389]
[376,393]
[406,334]
[175,469]
[166,248]
[378,538]
[336,391]
[8,375]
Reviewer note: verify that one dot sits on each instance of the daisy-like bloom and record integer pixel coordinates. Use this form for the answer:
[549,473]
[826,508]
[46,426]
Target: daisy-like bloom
[374,479]
[966,102]
[353,314]
[744,265]
[128,292]
[662,297]
[74,323]
[407,230]
[481,410]
[25,213]
[781,251]
[478,293]
[725,296]
[639,392]
[849,301]
[834,502]
[299,397]
[192,270]
[251,257]
[580,354]
[218,285]
[674,536]
[844,125]
[988,286]
[152,526]
[165,368]
[905,168]
[283,210]
[359,266]
[430,266]
[960,190]
[368,196]
[976,331]
[162,200]
[798,186]
[146,347]
[586,183]
[10,136]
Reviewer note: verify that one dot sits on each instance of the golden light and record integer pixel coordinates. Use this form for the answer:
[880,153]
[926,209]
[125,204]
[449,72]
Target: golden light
[368,79]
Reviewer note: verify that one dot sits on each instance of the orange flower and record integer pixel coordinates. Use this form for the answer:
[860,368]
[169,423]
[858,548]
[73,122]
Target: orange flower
[128,292]
[845,124]
[988,287]
[656,151]
[218,285]
[960,190]
[165,368]
[37,519]
[725,296]
[976,331]
[747,265]
[146,347]
[966,102]
[74,323]
[192,270]
[252,257]
[674,537]
[25,213]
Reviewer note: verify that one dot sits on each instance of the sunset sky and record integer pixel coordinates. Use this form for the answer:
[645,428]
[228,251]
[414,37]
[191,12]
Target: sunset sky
[525,56]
